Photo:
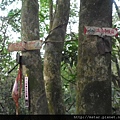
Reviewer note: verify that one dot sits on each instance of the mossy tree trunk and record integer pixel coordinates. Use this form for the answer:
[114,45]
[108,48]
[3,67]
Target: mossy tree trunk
[33,64]
[52,58]
[94,59]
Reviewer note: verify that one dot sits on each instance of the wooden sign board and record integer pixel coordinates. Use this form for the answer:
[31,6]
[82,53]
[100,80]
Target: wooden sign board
[22,46]
[88,30]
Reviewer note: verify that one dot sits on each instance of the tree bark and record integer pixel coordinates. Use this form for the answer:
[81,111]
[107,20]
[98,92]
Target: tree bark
[52,58]
[94,59]
[51,12]
[33,63]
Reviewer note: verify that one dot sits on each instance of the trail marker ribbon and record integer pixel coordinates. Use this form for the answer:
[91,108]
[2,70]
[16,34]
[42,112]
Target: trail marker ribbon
[16,91]
[17,87]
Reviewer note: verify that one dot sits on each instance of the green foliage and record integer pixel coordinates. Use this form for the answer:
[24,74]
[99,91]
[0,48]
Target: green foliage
[68,71]
[5,3]
[68,76]
[7,105]
[115,99]
[44,17]
[116,68]
[6,62]
[69,55]
[14,19]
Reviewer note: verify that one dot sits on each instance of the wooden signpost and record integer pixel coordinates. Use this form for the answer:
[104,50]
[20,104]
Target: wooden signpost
[90,30]
[25,45]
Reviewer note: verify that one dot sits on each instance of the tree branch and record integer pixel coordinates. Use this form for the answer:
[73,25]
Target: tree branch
[117,66]
[117,9]
[70,106]
[68,80]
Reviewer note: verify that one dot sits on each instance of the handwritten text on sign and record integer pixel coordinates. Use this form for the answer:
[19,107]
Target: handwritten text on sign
[88,30]
[26,92]
[26,88]
[22,46]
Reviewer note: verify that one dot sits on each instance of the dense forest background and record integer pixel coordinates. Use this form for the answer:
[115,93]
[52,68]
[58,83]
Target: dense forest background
[10,28]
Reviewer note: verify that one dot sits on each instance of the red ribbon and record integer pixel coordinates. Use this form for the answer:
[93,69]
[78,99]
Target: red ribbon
[16,94]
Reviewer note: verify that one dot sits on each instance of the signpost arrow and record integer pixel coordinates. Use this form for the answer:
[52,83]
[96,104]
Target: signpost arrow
[89,30]
[25,45]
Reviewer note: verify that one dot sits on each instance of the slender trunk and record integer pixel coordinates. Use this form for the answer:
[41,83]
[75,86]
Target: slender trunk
[94,59]
[52,58]
[51,12]
[33,65]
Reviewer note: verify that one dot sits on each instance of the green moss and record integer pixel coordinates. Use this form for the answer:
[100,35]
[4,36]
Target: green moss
[51,108]
[95,95]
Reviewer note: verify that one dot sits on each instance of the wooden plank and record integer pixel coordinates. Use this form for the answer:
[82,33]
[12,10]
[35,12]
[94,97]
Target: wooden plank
[90,30]
[22,46]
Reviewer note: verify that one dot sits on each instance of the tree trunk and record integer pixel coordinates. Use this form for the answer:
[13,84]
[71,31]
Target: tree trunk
[94,59]
[33,64]
[52,58]
[51,13]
